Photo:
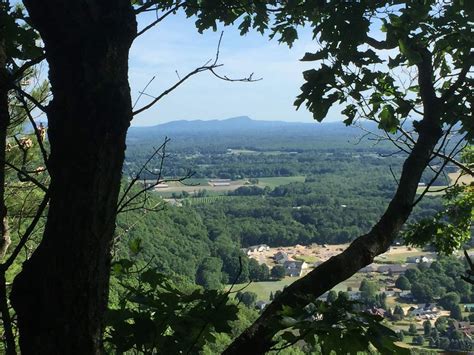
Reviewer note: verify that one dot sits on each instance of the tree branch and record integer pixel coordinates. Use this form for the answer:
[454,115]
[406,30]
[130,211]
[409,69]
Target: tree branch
[27,234]
[460,80]
[257,339]
[6,318]
[159,19]
[38,104]
[380,45]
[206,67]
[39,139]
[19,73]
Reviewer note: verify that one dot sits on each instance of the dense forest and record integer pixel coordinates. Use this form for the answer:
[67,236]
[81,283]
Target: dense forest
[345,190]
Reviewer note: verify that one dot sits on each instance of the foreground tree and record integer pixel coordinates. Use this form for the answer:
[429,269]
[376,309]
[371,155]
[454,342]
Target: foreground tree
[61,294]
[67,277]
[427,42]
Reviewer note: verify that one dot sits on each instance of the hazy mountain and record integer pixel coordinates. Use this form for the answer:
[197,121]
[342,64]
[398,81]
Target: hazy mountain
[244,132]
[236,125]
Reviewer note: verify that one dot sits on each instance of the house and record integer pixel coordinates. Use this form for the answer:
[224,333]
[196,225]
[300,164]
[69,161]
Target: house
[260,305]
[393,269]
[368,269]
[257,248]
[376,311]
[219,182]
[354,295]
[463,327]
[294,268]
[419,259]
[324,296]
[280,257]
[469,307]
[406,295]
[428,309]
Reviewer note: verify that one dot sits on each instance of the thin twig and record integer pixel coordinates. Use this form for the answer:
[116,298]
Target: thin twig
[208,66]
[27,234]
[159,19]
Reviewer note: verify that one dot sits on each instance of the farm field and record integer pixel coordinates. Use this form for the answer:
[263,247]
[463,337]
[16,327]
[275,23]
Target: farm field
[264,288]
[455,178]
[279,180]
[266,152]
[192,186]
[400,255]
[461,180]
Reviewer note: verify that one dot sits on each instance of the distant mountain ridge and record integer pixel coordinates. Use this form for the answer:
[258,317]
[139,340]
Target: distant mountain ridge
[240,122]
[232,126]
[242,132]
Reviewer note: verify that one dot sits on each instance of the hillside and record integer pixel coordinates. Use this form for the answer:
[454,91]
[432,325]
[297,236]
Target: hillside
[237,129]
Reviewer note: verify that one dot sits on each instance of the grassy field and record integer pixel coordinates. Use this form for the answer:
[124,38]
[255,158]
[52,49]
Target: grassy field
[280,180]
[191,186]
[402,257]
[268,152]
[264,288]
[455,178]
[310,259]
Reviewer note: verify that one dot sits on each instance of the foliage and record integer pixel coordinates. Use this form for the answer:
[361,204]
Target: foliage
[455,313]
[398,310]
[208,273]
[402,283]
[156,314]
[336,327]
[427,328]
[20,37]
[418,340]
[278,272]
[440,280]
[247,298]
[449,229]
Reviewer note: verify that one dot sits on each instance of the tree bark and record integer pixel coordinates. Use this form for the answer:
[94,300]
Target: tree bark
[60,296]
[257,339]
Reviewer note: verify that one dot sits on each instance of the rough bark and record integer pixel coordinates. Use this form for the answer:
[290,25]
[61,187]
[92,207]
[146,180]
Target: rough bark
[60,296]
[257,339]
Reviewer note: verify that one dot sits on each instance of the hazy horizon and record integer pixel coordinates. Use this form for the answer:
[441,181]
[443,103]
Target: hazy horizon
[176,47]
[234,117]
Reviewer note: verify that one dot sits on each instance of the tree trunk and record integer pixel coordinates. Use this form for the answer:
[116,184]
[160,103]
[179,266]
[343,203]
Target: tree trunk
[60,296]
[257,339]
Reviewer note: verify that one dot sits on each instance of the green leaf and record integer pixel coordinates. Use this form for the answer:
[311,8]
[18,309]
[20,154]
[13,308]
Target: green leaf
[310,57]
[412,56]
[388,121]
[350,111]
[135,245]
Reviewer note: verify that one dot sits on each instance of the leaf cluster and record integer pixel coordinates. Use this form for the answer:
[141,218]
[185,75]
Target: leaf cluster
[337,327]
[159,315]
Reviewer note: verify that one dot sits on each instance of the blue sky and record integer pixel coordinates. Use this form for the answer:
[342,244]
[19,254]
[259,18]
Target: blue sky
[176,45]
